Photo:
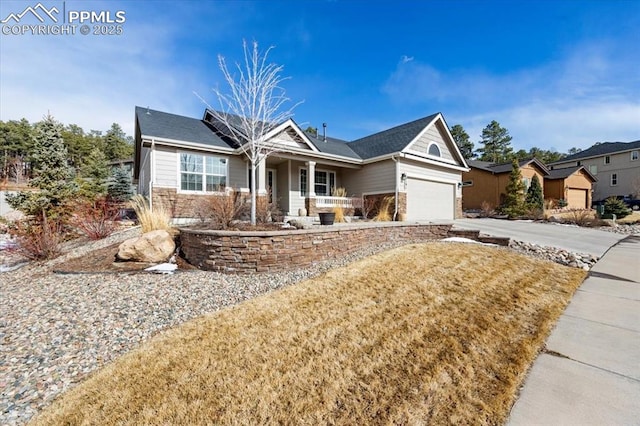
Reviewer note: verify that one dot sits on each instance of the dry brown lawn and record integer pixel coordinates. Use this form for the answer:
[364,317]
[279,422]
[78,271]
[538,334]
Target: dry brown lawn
[432,333]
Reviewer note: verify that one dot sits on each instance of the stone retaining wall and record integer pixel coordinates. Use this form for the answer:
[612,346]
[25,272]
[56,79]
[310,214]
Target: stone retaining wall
[261,251]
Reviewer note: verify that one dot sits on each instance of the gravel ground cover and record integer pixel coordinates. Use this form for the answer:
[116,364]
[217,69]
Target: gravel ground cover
[55,329]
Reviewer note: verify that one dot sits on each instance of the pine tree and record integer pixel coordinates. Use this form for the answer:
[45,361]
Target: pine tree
[52,174]
[496,144]
[535,198]
[461,139]
[514,198]
[116,146]
[95,173]
[119,187]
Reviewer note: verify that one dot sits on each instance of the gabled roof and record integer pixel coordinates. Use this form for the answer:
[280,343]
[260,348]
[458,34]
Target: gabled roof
[391,140]
[566,172]
[505,167]
[163,125]
[599,149]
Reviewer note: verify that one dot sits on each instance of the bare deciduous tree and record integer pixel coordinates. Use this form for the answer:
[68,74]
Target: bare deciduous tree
[253,108]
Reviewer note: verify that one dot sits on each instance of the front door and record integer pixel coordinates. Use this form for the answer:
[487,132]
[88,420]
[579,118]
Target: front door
[272,185]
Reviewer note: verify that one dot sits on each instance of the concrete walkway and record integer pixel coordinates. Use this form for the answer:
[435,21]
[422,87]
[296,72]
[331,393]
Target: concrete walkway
[590,371]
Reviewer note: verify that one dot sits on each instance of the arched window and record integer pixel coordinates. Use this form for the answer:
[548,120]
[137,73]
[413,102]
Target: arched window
[434,149]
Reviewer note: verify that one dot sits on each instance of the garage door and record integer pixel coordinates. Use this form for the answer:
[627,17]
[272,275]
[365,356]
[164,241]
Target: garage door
[577,198]
[428,200]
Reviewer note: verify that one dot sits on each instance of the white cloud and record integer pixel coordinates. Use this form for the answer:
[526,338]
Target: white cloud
[593,94]
[96,80]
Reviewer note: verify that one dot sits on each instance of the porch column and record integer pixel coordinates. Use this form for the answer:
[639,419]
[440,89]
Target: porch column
[311,179]
[261,178]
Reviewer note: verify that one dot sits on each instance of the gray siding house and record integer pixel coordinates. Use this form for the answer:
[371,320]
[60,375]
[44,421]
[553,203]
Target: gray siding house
[616,165]
[179,159]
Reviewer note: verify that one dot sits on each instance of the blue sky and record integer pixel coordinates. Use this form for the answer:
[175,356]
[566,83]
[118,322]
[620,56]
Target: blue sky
[556,74]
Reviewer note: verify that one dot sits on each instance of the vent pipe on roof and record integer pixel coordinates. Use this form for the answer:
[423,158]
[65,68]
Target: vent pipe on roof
[324,132]
[148,113]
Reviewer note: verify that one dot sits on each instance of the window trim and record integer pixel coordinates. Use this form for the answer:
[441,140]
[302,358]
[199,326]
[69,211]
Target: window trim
[437,147]
[203,174]
[637,155]
[607,159]
[614,177]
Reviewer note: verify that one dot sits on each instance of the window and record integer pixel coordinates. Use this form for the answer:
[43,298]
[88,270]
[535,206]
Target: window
[635,155]
[593,169]
[527,183]
[325,182]
[578,163]
[202,173]
[434,149]
[303,182]
[607,159]
[614,179]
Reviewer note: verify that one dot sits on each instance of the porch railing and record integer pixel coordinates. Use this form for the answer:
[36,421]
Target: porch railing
[345,202]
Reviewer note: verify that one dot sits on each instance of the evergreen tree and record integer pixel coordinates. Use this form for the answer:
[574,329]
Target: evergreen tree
[462,140]
[95,173]
[514,198]
[119,187]
[52,174]
[496,144]
[116,146]
[535,198]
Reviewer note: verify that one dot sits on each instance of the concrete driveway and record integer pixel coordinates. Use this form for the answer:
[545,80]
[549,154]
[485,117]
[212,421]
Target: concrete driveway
[572,238]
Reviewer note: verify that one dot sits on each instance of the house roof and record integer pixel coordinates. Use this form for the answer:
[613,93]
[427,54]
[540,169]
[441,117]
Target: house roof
[566,172]
[174,127]
[177,127]
[505,167]
[332,146]
[599,149]
[391,140]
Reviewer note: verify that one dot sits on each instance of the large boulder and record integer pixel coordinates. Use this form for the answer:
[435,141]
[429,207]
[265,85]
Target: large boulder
[155,246]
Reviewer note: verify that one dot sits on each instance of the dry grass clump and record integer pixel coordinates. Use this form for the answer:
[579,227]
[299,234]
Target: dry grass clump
[384,211]
[338,210]
[424,334]
[150,220]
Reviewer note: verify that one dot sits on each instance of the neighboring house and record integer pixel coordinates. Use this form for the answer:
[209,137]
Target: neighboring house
[126,163]
[573,184]
[615,164]
[178,159]
[486,183]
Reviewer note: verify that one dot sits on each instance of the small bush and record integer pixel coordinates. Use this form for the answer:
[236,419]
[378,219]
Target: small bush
[368,206]
[38,238]
[221,210]
[96,219]
[549,204]
[562,203]
[582,217]
[486,209]
[612,205]
[150,220]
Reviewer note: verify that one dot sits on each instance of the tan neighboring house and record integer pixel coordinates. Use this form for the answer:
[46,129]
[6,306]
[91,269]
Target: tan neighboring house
[487,182]
[178,160]
[573,184]
[616,165]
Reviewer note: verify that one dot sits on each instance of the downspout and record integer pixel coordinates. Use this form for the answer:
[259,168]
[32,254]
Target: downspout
[152,172]
[397,167]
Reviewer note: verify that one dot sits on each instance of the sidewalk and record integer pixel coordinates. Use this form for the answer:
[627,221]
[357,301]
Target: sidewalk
[590,371]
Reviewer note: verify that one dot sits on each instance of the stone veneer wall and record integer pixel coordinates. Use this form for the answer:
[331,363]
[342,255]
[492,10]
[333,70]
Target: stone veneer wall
[260,251]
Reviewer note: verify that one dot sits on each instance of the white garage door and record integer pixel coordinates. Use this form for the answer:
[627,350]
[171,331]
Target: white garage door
[428,200]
